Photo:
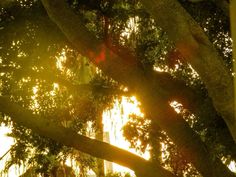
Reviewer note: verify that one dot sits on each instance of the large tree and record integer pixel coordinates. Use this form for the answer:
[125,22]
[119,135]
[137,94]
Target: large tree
[195,73]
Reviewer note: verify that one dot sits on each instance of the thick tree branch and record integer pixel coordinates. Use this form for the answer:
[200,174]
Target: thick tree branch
[127,70]
[98,149]
[175,89]
[196,48]
[94,49]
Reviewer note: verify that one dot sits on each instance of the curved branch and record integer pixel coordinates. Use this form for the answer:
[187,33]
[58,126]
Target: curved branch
[196,48]
[175,89]
[82,143]
[127,70]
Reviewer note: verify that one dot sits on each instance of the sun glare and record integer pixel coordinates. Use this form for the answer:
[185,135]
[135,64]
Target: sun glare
[5,145]
[114,120]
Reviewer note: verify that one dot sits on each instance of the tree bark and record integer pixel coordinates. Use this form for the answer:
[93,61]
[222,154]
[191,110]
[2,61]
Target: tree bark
[196,48]
[175,89]
[233,34]
[67,137]
[128,71]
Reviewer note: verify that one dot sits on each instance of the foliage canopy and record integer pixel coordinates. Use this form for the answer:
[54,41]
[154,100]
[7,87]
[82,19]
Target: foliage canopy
[63,63]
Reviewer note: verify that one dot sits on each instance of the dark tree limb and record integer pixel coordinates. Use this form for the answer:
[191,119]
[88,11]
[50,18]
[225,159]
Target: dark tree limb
[67,137]
[127,70]
[195,47]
